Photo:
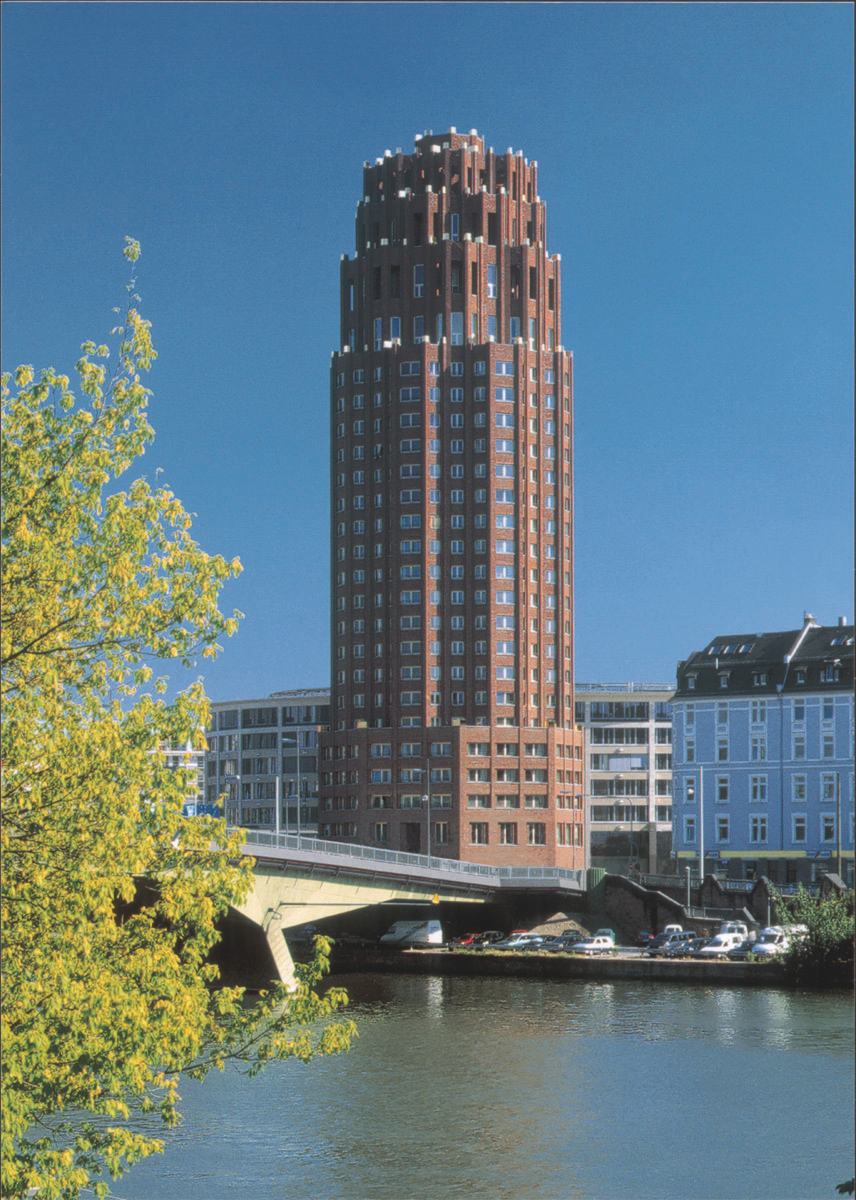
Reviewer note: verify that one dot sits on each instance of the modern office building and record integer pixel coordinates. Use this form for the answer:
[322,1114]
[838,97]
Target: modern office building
[452,520]
[187,757]
[763,754]
[627,775]
[266,750]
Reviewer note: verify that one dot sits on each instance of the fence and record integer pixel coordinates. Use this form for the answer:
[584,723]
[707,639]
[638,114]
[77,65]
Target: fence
[450,866]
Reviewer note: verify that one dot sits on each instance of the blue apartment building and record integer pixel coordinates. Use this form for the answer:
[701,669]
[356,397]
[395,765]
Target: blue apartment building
[762,728]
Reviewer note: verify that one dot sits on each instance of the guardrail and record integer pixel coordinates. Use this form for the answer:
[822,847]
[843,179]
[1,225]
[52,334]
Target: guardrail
[450,866]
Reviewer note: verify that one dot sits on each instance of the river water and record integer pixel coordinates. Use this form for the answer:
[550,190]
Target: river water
[490,1089]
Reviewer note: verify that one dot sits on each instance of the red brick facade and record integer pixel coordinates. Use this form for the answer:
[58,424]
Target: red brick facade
[452,518]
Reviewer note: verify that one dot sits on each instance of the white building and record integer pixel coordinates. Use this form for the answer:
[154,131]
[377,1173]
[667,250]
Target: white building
[627,777]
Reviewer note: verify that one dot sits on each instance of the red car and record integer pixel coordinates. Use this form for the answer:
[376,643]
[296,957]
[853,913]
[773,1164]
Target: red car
[466,939]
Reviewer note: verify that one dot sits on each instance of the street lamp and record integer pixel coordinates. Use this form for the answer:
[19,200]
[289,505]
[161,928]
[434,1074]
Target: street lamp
[426,800]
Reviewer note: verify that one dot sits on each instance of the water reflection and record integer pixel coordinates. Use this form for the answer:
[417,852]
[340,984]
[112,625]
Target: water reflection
[532,1090]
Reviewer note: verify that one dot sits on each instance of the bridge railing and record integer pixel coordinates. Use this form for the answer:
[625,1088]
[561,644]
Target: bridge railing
[450,866]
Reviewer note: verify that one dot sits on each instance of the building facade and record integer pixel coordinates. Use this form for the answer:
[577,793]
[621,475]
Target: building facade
[763,754]
[263,754]
[452,520]
[184,756]
[627,775]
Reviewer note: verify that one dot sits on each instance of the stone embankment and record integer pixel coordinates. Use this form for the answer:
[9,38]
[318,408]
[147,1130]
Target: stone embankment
[560,966]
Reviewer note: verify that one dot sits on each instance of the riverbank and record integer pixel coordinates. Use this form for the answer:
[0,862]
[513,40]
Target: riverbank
[494,964]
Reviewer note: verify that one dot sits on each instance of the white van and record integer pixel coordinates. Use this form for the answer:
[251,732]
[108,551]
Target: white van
[721,944]
[772,940]
[737,927]
[413,934]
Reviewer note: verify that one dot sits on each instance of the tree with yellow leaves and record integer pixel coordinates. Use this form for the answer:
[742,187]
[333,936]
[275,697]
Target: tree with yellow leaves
[109,896]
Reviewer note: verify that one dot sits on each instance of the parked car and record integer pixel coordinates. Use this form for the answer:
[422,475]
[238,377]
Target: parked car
[689,949]
[739,928]
[674,948]
[490,938]
[741,953]
[719,946]
[772,941]
[563,943]
[467,940]
[520,941]
[644,939]
[664,942]
[610,933]
[599,944]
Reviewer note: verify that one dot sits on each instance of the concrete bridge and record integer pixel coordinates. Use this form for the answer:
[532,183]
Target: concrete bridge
[299,880]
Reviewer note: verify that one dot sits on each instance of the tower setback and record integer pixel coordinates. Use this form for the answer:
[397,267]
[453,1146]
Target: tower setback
[452,520]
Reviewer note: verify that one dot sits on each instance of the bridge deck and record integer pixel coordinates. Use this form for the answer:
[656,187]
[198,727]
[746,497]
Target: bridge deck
[346,858]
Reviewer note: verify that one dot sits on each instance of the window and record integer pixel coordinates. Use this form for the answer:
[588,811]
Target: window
[798,788]
[479,833]
[508,833]
[827,827]
[457,329]
[758,788]
[723,829]
[478,799]
[757,829]
[418,281]
[758,749]
[689,831]
[799,746]
[759,712]
[798,827]
[491,281]
[828,745]
[722,749]
[722,789]
[536,833]
[827,788]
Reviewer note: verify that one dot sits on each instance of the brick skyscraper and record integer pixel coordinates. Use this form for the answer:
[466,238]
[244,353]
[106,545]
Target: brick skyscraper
[452,519]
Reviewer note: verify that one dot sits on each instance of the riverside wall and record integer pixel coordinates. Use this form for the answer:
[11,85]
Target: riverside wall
[559,966]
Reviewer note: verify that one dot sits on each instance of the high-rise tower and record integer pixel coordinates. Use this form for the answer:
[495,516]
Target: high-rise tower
[452,518]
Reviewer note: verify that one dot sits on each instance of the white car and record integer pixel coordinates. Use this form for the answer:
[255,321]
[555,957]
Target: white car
[721,944]
[776,940]
[600,944]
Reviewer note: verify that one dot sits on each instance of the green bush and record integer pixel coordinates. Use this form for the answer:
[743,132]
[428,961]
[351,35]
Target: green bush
[824,956]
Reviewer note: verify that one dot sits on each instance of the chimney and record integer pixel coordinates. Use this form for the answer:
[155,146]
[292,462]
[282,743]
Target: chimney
[842,621]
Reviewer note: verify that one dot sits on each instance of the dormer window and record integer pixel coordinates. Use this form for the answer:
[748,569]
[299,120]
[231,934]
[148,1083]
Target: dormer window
[715,649]
[723,679]
[691,682]
[800,675]
[830,674]
[759,678]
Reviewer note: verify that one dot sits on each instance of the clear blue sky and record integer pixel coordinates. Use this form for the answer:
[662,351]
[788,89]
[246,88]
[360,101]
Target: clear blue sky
[696,163]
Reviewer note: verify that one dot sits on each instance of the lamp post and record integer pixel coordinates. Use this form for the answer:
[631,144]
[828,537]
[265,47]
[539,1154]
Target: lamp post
[426,800]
